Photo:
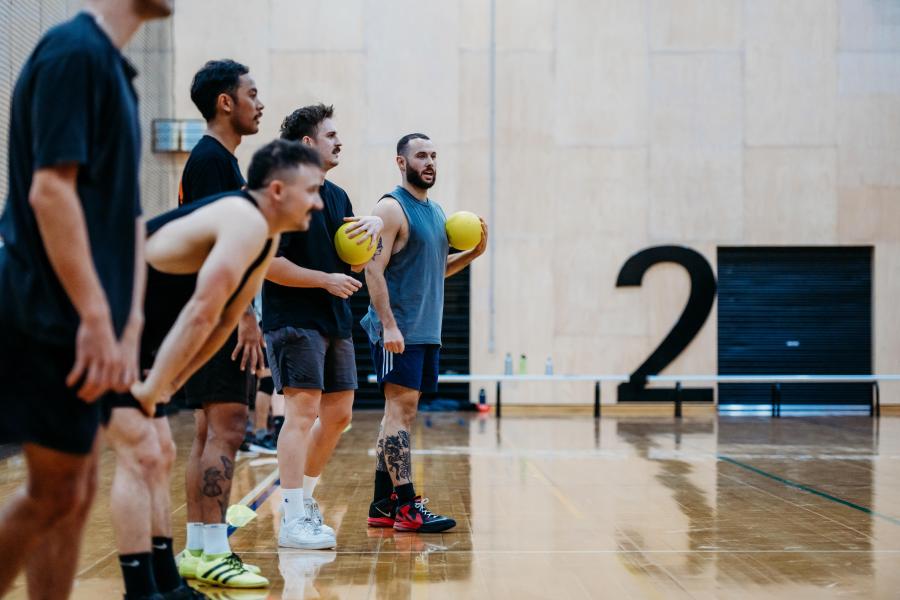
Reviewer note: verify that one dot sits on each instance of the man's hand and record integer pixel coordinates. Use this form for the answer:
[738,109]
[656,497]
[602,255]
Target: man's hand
[482,245]
[250,343]
[149,397]
[393,340]
[366,228]
[130,350]
[340,285]
[97,358]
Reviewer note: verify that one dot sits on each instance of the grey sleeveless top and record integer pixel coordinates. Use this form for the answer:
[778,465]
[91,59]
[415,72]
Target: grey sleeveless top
[415,275]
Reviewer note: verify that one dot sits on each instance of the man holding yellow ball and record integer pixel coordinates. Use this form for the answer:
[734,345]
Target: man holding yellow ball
[308,328]
[406,286]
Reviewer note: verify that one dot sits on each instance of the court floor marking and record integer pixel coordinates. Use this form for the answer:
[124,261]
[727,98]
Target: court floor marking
[258,495]
[808,489]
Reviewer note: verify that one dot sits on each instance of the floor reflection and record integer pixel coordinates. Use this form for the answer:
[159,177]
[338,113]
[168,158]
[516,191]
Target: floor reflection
[567,506]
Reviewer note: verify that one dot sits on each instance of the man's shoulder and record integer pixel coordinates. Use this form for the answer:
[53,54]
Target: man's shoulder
[76,40]
[208,151]
[334,191]
[232,211]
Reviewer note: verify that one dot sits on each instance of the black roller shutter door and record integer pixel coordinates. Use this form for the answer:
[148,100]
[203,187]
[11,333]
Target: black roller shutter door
[792,311]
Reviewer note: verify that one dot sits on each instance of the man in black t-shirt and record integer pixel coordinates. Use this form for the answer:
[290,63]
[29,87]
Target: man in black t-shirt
[227,98]
[308,324]
[70,295]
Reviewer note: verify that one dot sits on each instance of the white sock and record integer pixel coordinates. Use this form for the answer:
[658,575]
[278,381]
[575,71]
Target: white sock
[292,501]
[194,537]
[215,539]
[309,485]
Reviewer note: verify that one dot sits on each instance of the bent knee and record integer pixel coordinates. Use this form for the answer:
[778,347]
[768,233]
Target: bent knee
[52,504]
[338,421]
[166,454]
[230,439]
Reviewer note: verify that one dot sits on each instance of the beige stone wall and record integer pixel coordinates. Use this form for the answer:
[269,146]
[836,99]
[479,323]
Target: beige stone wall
[621,124]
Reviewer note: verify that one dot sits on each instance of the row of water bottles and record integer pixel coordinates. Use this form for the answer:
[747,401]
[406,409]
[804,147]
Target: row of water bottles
[523,365]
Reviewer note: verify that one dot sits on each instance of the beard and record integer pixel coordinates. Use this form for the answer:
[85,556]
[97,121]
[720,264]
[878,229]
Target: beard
[153,9]
[415,179]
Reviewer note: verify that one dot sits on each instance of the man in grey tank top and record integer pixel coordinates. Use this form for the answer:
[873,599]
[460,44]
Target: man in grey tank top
[406,286]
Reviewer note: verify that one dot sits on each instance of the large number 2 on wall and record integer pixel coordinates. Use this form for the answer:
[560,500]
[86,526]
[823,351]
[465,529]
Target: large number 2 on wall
[699,305]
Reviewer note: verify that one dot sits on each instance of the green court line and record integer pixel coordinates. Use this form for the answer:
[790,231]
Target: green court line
[808,489]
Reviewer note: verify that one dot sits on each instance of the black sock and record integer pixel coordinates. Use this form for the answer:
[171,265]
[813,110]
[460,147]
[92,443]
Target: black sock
[405,493]
[277,423]
[137,570]
[383,485]
[164,568]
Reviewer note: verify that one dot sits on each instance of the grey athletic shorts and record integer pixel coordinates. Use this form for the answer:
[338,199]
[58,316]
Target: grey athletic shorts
[306,359]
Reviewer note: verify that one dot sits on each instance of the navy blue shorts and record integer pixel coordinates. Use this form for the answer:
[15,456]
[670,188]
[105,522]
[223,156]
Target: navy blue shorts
[416,368]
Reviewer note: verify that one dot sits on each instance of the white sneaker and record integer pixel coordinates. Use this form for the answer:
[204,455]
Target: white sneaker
[303,534]
[312,511]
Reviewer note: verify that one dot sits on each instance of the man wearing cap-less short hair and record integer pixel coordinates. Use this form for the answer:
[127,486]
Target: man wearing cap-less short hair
[406,287]
[308,325]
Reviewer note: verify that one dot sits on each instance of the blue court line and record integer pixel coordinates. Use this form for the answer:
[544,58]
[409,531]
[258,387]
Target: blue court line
[259,501]
[809,489]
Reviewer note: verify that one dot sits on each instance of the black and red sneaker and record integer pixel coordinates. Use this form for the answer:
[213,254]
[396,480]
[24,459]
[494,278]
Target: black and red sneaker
[382,512]
[413,516]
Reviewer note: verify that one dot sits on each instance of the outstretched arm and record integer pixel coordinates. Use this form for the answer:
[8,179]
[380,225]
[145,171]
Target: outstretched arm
[224,327]
[130,342]
[459,261]
[284,272]
[237,243]
[392,215]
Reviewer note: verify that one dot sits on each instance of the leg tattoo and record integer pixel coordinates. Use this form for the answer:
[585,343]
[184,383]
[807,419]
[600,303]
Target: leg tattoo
[213,478]
[397,455]
[380,464]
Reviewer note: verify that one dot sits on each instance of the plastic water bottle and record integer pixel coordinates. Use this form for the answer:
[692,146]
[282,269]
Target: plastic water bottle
[548,366]
[507,364]
[523,364]
[482,401]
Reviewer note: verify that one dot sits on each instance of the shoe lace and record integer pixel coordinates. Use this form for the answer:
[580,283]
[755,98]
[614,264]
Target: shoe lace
[315,514]
[420,504]
[234,561]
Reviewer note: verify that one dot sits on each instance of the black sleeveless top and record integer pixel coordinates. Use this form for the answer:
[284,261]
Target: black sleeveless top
[168,293]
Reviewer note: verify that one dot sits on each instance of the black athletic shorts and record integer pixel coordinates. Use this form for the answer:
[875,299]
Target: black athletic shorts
[126,401]
[306,359]
[36,406]
[266,385]
[221,380]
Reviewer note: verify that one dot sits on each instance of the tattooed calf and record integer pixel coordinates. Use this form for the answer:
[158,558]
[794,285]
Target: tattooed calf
[380,465]
[397,455]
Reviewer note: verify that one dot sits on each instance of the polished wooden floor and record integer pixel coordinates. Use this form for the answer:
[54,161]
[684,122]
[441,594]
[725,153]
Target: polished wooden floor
[564,507]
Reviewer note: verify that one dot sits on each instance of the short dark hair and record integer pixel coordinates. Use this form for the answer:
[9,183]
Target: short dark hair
[304,121]
[275,156]
[216,77]
[406,139]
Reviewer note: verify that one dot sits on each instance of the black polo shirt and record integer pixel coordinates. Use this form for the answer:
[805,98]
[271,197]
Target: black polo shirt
[312,308]
[73,103]
[210,169]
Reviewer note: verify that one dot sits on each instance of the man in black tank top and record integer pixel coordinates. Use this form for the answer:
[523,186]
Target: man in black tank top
[226,96]
[206,261]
